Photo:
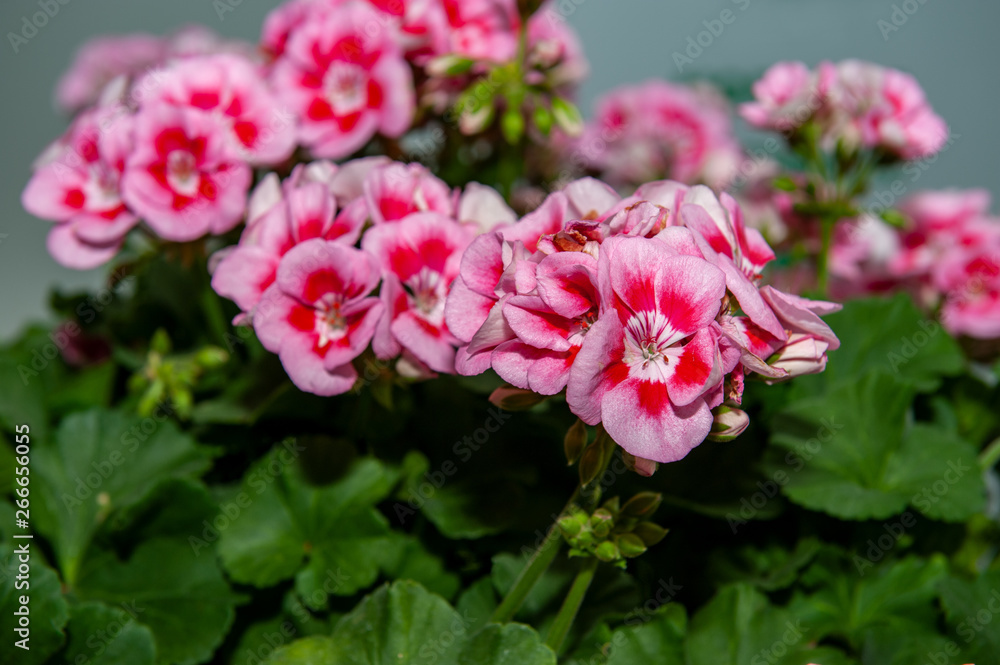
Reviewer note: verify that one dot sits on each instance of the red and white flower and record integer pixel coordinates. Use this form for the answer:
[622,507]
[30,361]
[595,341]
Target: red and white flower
[318,315]
[183,177]
[647,364]
[232,89]
[77,185]
[347,81]
[420,257]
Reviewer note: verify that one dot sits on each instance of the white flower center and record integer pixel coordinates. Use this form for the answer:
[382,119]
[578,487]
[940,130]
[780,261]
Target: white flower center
[345,87]
[182,173]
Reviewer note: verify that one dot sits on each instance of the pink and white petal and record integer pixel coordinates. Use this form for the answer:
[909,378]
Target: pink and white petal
[484,207]
[311,208]
[391,294]
[361,318]
[398,102]
[549,374]
[482,263]
[431,345]
[801,314]
[535,325]
[590,198]
[47,194]
[546,219]
[696,369]
[317,267]
[278,317]
[468,364]
[512,360]
[307,372]
[749,298]
[466,311]
[567,283]
[244,274]
[641,419]
[597,367]
[68,250]
[99,230]
[493,332]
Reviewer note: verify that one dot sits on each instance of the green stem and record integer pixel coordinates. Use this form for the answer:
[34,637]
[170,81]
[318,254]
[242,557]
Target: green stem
[990,455]
[529,576]
[571,606]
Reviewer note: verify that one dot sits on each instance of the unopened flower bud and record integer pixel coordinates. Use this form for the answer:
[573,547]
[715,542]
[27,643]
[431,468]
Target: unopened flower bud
[630,545]
[802,354]
[643,504]
[510,398]
[729,423]
[607,551]
[649,532]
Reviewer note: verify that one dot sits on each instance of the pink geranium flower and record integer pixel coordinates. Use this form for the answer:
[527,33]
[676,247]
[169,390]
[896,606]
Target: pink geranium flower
[420,257]
[646,365]
[183,177]
[550,325]
[305,212]
[346,81]
[232,89]
[77,185]
[660,130]
[318,316]
[101,60]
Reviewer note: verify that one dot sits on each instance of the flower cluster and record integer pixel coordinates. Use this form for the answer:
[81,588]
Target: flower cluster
[310,291]
[660,130]
[947,255]
[170,130]
[646,310]
[173,145]
[851,104]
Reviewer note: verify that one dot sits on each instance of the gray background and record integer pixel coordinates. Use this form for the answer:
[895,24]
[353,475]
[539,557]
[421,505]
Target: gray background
[950,45]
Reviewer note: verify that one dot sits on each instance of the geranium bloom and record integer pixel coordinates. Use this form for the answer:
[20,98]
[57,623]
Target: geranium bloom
[318,316]
[660,130]
[101,60]
[483,29]
[647,363]
[76,185]
[395,190]
[852,103]
[304,212]
[420,258]
[550,326]
[421,24]
[346,81]
[183,177]
[231,88]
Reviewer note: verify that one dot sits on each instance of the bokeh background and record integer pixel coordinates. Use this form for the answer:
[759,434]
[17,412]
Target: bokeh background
[950,45]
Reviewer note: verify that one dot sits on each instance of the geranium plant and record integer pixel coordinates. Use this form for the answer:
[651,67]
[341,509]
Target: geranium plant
[401,361]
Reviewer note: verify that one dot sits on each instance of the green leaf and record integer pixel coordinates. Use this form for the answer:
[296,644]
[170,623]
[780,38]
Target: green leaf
[660,640]
[22,398]
[887,334]
[404,624]
[315,650]
[887,612]
[331,538]
[103,635]
[180,595]
[101,461]
[769,569]
[511,644]
[407,559]
[739,626]
[940,472]
[966,603]
[399,624]
[47,609]
[851,454]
